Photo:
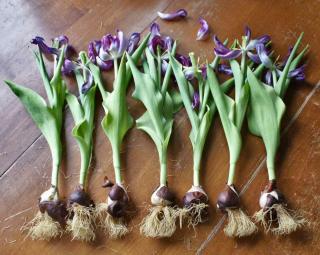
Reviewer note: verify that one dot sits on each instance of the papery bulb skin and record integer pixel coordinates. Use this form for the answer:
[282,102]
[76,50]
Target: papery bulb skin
[162,196]
[270,196]
[195,195]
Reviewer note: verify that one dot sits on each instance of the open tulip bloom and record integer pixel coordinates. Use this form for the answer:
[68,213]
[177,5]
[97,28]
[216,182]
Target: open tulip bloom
[81,208]
[266,110]
[48,116]
[200,109]
[117,121]
[157,122]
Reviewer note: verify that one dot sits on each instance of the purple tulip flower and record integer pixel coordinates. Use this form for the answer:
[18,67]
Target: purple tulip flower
[203,31]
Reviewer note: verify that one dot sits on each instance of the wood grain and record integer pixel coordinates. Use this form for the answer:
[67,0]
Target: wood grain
[25,158]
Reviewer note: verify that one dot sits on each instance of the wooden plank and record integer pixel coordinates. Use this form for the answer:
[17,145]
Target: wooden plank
[226,19]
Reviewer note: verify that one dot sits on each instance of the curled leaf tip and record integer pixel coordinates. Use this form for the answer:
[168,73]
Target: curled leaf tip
[181,13]
[203,31]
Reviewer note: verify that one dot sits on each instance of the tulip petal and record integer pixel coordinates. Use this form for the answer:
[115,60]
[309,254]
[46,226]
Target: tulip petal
[203,31]
[298,73]
[263,55]
[67,67]
[44,48]
[133,42]
[87,84]
[230,54]
[248,33]
[225,69]
[181,13]
[254,57]
[196,100]
[104,65]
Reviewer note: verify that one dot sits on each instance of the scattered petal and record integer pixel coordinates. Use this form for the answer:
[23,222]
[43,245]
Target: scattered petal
[154,29]
[181,13]
[204,30]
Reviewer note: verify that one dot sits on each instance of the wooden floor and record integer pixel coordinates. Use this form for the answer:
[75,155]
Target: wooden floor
[25,159]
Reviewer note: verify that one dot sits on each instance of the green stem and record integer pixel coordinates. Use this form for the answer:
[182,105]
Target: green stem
[159,67]
[274,77]
[115,64]
[232,169]
[84,168]
[117,164]
[270,167]
[163,166]
[196,168]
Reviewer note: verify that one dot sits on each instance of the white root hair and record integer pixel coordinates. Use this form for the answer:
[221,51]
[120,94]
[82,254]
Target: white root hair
[287,220]
[114,228]
[42,227]
[160,222]
[239,224]
[81,226]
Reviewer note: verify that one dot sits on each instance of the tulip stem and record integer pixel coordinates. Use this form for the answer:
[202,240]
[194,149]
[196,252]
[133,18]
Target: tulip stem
[163,166]
[232,169]
[115,63]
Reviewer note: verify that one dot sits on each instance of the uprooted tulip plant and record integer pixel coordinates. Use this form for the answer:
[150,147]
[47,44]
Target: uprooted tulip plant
[80,206]
[48,116]
[157,122]
[111,216]
[232,113]
[266,109]
[200,109]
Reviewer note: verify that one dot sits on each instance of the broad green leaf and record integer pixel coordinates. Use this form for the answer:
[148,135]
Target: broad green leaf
[266,109]
[158,120]
[117,120]
[42,116]
[238,78]
[184,91]
[226,109]
[241,105]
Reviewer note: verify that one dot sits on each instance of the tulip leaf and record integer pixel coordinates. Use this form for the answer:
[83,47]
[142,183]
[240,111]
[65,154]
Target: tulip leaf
[280,85]
[266,109]
[226,109]
[117,120]
[41,114]
[200,121]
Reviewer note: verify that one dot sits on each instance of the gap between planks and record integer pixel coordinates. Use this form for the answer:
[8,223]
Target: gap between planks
[255,173]
[40,135]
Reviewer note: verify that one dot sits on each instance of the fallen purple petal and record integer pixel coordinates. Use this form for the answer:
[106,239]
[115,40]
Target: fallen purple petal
[181,13]
[204,30]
